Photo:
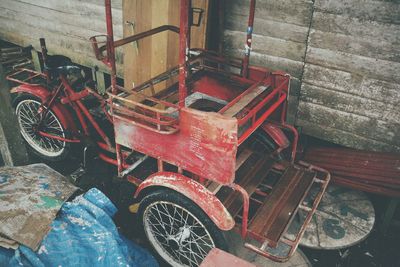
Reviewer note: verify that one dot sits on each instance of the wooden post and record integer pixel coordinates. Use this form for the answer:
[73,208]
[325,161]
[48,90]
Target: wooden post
[98,76]
[12,147]
[153,55]
[36,60]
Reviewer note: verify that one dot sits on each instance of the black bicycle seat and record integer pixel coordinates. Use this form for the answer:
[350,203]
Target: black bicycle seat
[60,64]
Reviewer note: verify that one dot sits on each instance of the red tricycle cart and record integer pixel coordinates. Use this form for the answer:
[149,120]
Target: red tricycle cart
[210,153]
[218,134]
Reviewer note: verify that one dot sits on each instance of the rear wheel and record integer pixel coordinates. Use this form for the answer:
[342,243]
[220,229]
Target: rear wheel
[28,116]
[179,231]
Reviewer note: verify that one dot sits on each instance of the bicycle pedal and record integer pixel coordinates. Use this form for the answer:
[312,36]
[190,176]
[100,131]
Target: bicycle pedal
[77,174]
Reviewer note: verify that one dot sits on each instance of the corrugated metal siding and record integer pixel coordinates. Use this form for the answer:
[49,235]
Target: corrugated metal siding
[66,25]
[347,64]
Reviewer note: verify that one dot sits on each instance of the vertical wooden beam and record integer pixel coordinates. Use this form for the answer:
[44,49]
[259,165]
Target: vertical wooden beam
[159,53]
[12,147]
[199,34]
[36,60]
[100,81]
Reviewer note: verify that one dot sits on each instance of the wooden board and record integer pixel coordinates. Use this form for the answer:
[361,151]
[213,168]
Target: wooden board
[154,55]
[351,75]
[66,25]
[344,218]
[345,57]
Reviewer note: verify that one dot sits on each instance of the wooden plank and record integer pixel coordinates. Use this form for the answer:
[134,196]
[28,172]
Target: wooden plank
[294,68]
[28,33]
[382,11]
[82,8]
[267,45]
[139,12]
[356,27]
[287,212]
[12,147]
[36,60]
[373,68]
[95,21]
[43,25]
[344,81]
[268,27]
[289,11]
[245,100]
[55,44]
[249,176]
[243,156]
[199,34]
[363,126]
[274,215]
[350,103]
[159,52]
[345,138]
[356,45]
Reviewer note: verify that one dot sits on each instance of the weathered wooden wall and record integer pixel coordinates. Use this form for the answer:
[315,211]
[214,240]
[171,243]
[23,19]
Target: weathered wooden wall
[344,56]
[279,39]
[66,25]
[351,85]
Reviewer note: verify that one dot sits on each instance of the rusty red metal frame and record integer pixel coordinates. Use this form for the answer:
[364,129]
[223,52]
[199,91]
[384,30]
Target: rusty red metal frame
[27,81]
[323,177]
[207,142]
[70,98]
[249,36]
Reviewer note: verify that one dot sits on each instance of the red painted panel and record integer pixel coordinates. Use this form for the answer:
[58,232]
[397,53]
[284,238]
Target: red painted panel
[206,143]
[218,258]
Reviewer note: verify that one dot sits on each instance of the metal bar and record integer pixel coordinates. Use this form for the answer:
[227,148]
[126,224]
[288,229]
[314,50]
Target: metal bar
[110,46]
[171,131]
[249,36]
[85,111]
[125,111]
[59,137]
[261,119]
[142,35]
[234,101]
[134,165]
[160,165]
[183,47]
[246,203]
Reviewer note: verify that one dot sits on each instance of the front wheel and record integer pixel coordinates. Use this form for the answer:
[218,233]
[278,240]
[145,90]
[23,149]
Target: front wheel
[179,231]
[28,116]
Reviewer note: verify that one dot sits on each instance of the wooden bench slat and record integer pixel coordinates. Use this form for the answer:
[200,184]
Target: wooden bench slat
[245,100]
[278,210]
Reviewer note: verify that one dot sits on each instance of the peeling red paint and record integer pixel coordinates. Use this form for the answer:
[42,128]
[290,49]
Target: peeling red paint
[196,192]
[206,143]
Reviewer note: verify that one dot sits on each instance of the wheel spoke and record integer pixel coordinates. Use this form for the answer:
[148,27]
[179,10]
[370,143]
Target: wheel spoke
[168,222]
[28,118]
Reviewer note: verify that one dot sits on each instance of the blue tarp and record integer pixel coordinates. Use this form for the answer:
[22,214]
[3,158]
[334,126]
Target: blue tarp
[83,234]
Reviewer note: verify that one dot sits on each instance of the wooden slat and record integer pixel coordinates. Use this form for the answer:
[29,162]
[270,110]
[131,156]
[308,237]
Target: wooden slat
[276,213]
[249,176]
[243,156]
[245,100]
[159,52]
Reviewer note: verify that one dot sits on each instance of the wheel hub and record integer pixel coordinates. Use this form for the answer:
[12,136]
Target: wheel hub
[179,238]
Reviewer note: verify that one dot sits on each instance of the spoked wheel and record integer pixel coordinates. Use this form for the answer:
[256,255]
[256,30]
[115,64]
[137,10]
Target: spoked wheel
[179,231]
[28,115]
